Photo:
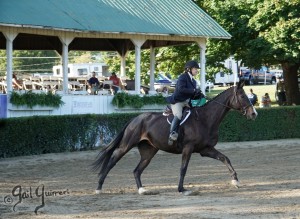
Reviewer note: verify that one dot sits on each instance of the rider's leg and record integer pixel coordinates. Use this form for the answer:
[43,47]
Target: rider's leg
[177,112]
[174,129]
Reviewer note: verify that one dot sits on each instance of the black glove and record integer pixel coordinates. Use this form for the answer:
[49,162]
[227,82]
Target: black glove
[198,94]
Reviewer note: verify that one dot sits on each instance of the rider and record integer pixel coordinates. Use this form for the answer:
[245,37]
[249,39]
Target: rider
[184,91]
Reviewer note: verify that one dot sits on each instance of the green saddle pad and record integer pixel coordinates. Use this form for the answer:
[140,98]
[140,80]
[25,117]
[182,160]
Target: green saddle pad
[198,102]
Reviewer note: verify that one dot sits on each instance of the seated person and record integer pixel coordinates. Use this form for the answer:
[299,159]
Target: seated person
[265,101]
[94,83]
[117,84]
[16,84]
[252,97]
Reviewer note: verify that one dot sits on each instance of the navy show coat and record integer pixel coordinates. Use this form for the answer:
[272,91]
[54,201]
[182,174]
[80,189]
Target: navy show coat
[185,89]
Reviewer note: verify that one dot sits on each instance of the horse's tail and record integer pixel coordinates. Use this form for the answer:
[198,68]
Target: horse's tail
[106,153]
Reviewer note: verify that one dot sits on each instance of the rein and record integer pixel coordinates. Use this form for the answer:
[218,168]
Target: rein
[243,110]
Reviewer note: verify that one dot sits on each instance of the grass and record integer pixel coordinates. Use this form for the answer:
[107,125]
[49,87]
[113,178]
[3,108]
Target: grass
[259,90]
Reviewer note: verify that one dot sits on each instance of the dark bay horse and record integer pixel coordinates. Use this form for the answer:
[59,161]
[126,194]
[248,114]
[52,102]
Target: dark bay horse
[199,134]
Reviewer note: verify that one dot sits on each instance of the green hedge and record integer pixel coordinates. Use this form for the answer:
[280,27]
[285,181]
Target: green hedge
[123,99]
[31,99]
[271,123]
[49,134]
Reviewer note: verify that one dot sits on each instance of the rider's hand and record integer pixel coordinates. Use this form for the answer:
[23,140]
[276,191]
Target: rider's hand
[198,94]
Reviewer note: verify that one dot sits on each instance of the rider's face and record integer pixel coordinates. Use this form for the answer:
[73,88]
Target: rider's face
[194,71]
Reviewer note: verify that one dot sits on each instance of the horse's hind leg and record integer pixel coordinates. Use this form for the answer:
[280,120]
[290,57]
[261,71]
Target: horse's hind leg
[186,156]
[215,154]
[147,152]
[116,156]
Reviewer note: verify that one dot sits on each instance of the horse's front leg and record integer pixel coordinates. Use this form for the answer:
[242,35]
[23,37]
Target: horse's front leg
[215,154]
[186,156]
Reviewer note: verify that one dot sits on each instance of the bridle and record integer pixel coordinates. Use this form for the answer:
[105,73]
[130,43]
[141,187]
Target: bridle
[242,109]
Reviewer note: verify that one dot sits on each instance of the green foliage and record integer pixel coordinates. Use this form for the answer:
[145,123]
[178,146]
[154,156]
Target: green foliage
[123,99]
[52,134]
[169,60]
[172,59]
[42,61]
[113,61]
[271,123]
[233,16]
[31,99]
[30,65]
[264,32]
[279,24]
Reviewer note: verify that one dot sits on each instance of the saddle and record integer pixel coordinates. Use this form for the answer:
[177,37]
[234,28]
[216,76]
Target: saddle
[169,114]
[193,103]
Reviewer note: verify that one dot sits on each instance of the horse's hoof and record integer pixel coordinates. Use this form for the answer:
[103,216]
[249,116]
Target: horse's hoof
[142,191]
[97,191]
[236,183]
[187,192]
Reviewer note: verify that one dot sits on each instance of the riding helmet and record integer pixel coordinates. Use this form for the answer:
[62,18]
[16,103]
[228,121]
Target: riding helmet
[191,64]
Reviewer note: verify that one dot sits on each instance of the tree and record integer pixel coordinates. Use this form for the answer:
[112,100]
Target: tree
[264,32]
[2,62]
[30,61]
[168,60]
[234,17]
[278,24]
[114,63]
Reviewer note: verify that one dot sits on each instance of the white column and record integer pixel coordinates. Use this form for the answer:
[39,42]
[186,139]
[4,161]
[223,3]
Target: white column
[10,36]
[65,40]
[236,72]
[152,69]
[123,64]
[202,45]
[138,44]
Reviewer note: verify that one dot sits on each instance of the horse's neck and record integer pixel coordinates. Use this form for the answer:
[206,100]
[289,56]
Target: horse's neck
[217,109]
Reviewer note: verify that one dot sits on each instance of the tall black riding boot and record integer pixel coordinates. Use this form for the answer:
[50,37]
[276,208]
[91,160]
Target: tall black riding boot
[174,130]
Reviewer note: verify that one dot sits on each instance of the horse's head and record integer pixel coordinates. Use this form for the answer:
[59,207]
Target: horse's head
[241,102]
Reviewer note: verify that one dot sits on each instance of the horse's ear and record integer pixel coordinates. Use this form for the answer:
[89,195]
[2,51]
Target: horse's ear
[241,83]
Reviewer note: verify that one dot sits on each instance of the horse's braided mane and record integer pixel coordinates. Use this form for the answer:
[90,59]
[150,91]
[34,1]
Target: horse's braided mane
[216,96]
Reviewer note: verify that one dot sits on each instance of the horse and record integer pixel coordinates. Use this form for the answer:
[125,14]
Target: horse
[199,134]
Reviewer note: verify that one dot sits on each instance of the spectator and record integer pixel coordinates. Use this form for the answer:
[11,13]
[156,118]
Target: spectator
[94,84]
[252,97]
[281,92]
[265,101]
[116,86]
[15,81]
